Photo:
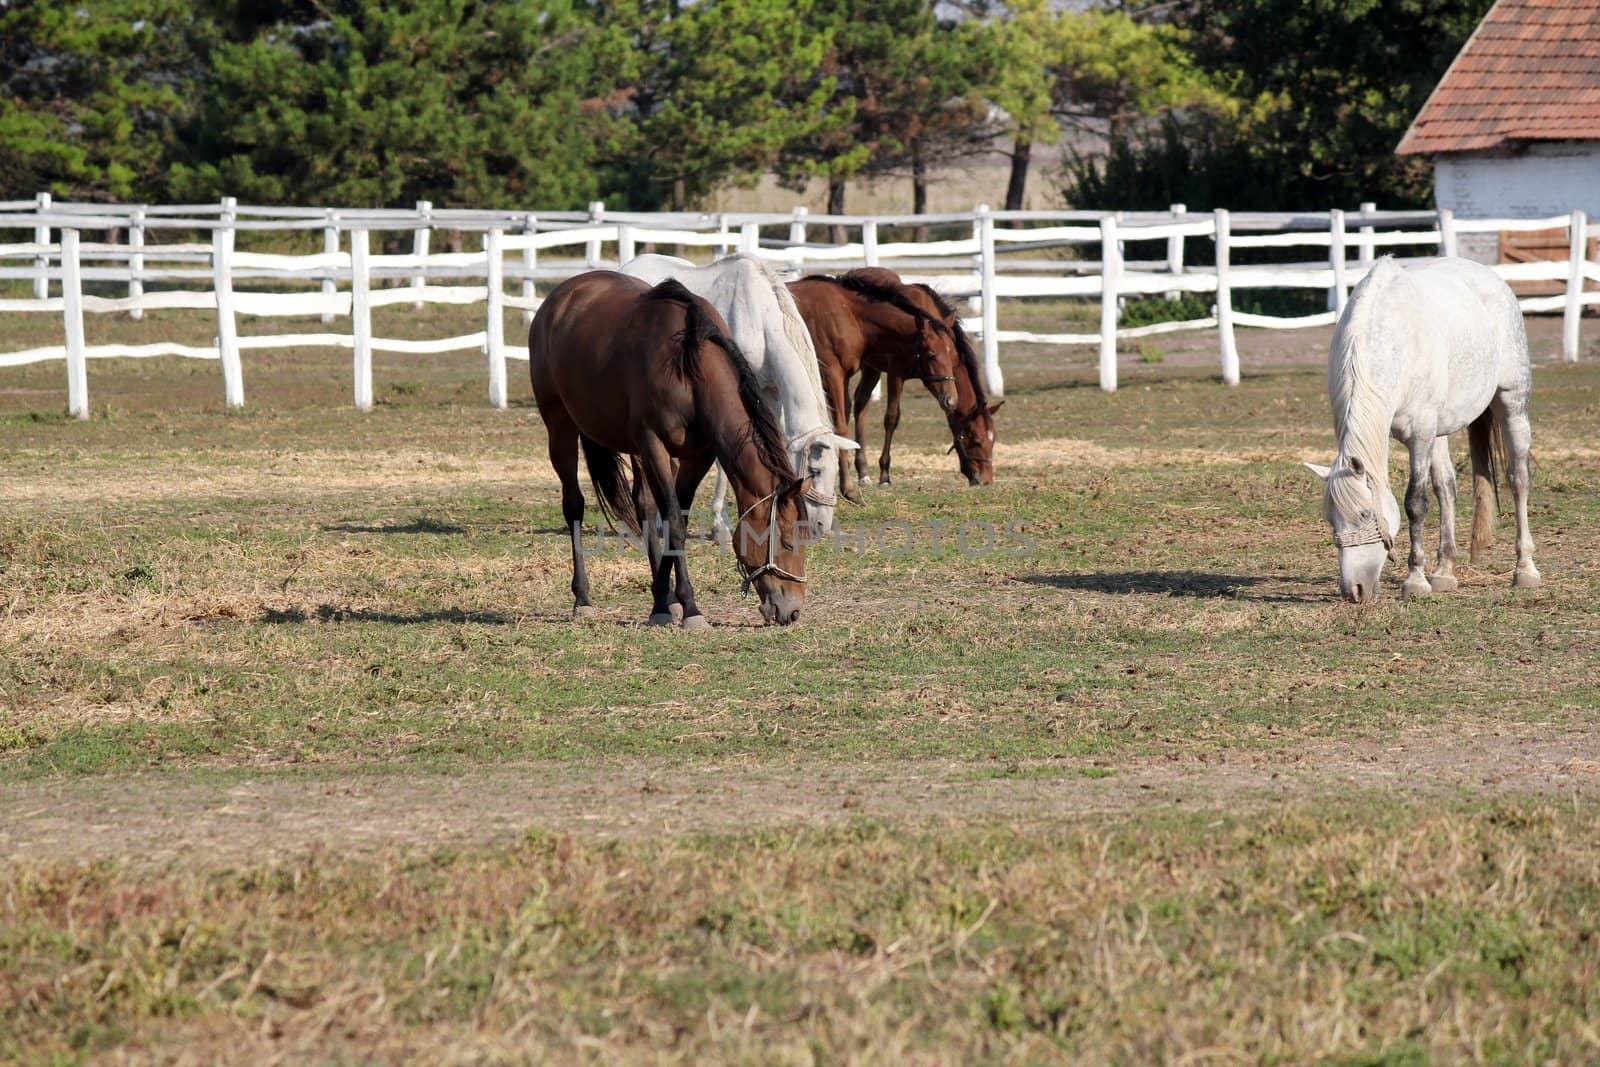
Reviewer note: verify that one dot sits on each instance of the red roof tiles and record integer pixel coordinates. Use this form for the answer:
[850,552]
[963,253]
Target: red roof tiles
[1530,72]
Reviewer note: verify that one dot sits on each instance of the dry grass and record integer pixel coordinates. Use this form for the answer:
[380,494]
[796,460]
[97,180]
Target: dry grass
[1402,935]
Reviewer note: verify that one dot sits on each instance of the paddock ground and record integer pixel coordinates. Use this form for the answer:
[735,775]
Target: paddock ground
[301,757]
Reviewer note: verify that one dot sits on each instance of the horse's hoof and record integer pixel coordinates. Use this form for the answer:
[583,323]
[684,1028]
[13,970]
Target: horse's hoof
[1526,578]
[696,623]
[1415,586]
[661,618]
[677,611]
[883,479]
[1443,583]
[852,495]
[585,611]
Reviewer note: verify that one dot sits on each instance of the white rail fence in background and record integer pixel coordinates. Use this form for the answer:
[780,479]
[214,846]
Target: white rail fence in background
[991,264]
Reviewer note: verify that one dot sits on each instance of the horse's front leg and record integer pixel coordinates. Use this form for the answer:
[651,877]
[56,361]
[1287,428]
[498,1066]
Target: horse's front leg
[1443,578]
[863,401]
[833,386]
[891,422]
[690,473]
[657,464]
[1421,450]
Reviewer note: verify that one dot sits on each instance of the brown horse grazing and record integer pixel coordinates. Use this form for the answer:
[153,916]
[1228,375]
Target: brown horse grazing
[971,420]
[619,367]
[869,317]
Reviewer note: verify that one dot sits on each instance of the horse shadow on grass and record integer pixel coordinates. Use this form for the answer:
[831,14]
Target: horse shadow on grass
[334,613]
[423,525]
[1180,584]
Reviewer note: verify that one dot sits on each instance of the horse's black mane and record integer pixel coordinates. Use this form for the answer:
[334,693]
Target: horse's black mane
[969,355]
[699,328]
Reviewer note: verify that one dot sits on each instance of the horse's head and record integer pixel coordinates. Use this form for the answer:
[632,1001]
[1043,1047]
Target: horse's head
[972,440]
[936,361]
[1358,503]
[770,541]
[816,456]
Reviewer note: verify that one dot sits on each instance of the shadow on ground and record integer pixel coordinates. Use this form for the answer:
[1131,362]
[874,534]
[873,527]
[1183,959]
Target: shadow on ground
[1181,583]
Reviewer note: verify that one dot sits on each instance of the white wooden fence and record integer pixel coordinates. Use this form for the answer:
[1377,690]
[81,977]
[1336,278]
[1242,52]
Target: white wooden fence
[998,256]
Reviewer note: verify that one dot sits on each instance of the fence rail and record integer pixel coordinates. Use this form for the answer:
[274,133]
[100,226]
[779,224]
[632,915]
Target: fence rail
[1002,256]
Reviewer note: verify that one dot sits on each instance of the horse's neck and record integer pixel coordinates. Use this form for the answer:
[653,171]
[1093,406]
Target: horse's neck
[799,393]
[879,338]
[734,446]
[1369,395]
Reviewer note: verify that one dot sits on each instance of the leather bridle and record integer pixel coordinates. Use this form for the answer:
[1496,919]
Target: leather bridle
[771,565]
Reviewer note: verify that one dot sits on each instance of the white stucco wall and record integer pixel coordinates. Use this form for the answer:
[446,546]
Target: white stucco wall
[1547,179]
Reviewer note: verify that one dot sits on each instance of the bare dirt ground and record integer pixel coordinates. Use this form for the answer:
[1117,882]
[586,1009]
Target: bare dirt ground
[205,818]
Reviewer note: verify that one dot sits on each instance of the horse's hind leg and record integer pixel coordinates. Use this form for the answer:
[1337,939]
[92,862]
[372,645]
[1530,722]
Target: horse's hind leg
[563,437]
[1416,583]
[1443,578]
[1519,439]
[863,400]
[721,530]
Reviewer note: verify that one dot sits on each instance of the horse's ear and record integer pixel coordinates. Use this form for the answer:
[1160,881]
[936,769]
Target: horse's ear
[843,444]
[1318,469]
[997,405]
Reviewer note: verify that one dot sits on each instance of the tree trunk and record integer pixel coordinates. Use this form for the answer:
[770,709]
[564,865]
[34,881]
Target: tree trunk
[1021,151]
[919,186]
[680,195]
[836,207]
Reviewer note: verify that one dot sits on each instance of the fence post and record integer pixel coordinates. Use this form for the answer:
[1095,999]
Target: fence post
[975,303]
[991,308]
[530,260]
[1577,247]
[41,262]
[624,244]
[1175,248]
[72,314]
[750,238]
[495,341]
[1367,243]
[227,328]
[869,242]
[1447,232]
[797,228]
[1110,280]
[1336,259]
[726,235]
[1230,350]
[330,247]
[361,315]
[419,248]
[136,261]
[597,214]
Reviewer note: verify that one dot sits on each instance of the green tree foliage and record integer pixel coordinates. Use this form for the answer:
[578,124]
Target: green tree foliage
[90,94]
[714,99]
[1064,66]
[353,102]
[904,85]
[1333,86]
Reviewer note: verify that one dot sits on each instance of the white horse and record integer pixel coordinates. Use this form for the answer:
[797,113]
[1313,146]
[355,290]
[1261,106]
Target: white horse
[1420,352]
[766,325]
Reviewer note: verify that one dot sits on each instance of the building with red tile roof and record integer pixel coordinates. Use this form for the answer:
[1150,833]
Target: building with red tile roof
[1513,128]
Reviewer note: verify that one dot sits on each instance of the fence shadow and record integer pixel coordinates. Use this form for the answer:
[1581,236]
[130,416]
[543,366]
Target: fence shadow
[1180,584]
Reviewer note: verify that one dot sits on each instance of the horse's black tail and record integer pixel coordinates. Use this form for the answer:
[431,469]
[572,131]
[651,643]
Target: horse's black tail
[1486,440]
[612,489]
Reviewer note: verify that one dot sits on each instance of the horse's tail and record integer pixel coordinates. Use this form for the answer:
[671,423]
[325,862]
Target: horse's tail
[1486,439]
[611,485]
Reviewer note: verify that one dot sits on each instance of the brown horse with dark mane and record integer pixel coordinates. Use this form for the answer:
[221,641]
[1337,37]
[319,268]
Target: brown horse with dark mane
[971,420]
[619,367]
[870,318]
